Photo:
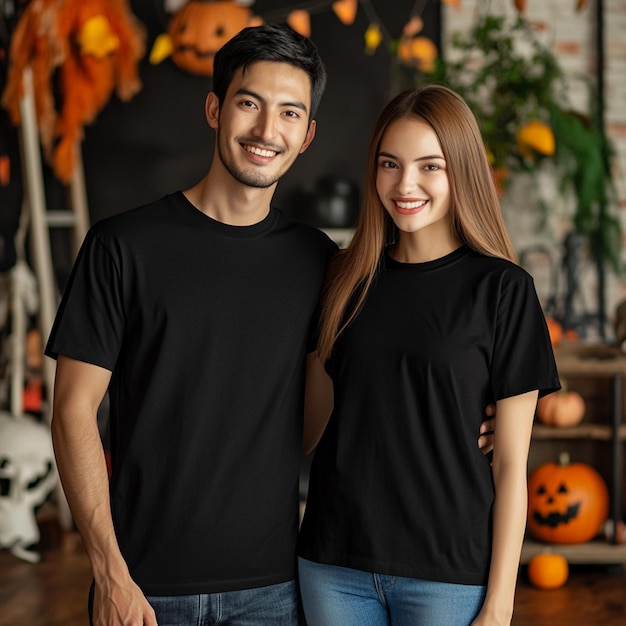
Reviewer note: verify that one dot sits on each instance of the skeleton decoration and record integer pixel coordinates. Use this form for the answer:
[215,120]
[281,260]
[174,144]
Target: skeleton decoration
[27,476]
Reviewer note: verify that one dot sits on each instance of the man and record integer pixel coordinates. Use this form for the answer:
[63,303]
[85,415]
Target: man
[196,312]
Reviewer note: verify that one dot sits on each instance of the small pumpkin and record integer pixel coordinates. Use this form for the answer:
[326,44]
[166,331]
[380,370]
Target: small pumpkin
[200,28]
[567,502]
[548,570]
[562,408]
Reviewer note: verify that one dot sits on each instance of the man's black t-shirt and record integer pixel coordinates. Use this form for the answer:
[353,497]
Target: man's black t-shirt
[205,327]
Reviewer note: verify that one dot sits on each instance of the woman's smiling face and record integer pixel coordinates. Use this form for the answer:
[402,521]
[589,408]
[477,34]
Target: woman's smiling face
[412,179]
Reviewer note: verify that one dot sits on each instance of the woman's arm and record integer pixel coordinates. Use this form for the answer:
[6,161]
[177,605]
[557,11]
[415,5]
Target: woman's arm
[510,461]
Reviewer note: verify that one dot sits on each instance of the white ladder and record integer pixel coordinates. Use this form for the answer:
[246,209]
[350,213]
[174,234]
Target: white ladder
[40,222]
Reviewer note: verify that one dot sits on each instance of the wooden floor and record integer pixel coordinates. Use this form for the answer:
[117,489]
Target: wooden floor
[53,592]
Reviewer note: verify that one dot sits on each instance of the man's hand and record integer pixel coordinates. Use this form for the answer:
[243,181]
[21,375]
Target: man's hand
[487,428]
[115,604]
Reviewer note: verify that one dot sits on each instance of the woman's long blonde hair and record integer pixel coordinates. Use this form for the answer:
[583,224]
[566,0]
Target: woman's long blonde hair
[474,206]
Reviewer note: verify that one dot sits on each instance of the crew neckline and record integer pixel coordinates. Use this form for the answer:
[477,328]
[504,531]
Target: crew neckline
[229,230]
[447,259]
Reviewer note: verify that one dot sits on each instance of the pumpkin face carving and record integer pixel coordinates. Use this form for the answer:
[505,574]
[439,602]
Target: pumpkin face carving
[567,502]
[200,28]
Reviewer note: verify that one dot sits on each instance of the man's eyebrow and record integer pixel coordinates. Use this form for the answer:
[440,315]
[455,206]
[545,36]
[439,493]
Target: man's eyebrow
[253,94]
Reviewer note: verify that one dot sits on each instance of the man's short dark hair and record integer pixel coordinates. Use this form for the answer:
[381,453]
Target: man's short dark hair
[270,42]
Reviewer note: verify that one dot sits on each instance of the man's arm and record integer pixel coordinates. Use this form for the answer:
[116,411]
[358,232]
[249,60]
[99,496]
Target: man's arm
[78,391]
[318,402]
[486,431]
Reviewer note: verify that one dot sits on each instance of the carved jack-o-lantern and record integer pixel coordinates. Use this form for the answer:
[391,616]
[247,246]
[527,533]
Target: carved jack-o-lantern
[200,28]
[567,502]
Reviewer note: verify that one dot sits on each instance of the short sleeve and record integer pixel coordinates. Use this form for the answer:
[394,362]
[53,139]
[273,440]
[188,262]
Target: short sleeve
[89,324]
[523,359]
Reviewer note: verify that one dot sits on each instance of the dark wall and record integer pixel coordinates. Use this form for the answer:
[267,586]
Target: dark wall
[159,141]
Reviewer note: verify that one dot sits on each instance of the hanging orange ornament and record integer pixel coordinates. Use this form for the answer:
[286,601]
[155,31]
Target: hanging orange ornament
[300,21]
[197,31]
[373,37]
[418,51]
[413,26]
[345,10]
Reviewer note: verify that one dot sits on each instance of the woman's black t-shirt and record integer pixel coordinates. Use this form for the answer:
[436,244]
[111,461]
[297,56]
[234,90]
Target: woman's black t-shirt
[398,485]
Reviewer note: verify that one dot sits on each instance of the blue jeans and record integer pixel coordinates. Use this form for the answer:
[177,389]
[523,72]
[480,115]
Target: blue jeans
[339,596]
[275,604]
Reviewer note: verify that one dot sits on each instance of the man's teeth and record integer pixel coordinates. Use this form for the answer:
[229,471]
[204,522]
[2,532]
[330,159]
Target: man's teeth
[411,205]
[261,152]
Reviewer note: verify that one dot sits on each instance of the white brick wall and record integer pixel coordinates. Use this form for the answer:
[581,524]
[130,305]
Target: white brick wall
[572,36]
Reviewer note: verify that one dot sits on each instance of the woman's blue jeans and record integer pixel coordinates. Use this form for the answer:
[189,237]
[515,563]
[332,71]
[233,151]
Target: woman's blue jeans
[339,596]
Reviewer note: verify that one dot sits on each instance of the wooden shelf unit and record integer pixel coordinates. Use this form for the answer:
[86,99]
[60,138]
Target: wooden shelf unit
[592,552]
[586,431]
[575,360]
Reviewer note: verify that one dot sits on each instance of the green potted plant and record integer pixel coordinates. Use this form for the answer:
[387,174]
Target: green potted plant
[519,93]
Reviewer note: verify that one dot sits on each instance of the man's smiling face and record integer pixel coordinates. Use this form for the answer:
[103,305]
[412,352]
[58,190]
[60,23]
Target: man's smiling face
[263,123]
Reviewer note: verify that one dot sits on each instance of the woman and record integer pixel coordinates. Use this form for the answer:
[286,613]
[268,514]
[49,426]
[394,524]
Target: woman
[426,319]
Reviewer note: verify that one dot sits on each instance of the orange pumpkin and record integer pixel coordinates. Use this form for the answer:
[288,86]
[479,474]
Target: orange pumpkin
[567,502]
[556,331]
[200,28]
[548,570]
[563,408]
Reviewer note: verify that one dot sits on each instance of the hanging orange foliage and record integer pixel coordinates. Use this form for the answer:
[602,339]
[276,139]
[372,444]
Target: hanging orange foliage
[94,46]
